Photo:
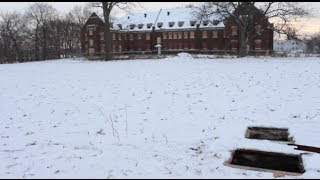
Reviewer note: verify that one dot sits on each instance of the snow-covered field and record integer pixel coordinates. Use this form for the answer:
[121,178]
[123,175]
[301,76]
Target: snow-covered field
[57,116]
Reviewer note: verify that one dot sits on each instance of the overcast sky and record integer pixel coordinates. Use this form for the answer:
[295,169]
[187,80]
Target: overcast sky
[306,26]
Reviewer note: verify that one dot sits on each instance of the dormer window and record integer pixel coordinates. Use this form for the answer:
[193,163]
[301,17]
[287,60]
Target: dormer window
[145,15]
[205,23]
[168,13]
[159,24]
[215,22]
[111,25]
[128,17]
[140,26]
[171,24]
[132,26]
[193,23]
[180,23]
[149,25]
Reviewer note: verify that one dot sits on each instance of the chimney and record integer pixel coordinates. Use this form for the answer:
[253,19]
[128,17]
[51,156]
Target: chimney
[145,15]
[168,13]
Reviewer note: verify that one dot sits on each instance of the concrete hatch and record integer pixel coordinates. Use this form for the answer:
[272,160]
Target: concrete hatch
[262,160]
[269,133]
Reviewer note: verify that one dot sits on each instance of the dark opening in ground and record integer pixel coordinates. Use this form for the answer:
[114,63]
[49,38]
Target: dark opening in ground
[276,134]
[268,160]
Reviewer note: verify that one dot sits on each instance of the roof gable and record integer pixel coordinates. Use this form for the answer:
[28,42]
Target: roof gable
[94,19]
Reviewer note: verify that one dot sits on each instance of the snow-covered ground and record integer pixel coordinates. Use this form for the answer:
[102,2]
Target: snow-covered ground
[57,116]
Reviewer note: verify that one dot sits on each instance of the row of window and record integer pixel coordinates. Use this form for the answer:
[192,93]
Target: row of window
[234,32]
[165,35]
[233,42]
[234,45]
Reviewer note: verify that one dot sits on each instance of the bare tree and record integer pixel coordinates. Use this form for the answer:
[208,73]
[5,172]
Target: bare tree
[313,43]
[41,33]
[107,7]
[40,14]
[74,21]
[241,13]
[80,14]
[12,27]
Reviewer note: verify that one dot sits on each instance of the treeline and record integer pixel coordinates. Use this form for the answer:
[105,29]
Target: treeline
[41,32]
[313,43]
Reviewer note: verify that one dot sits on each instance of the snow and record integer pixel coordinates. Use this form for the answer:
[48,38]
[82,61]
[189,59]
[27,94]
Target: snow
[56,116]
[183,56]
[176,15]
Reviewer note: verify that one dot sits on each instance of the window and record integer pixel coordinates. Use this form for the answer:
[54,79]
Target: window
[114,47]
[164,35]
[204,34]
[147,36]
[91,51]
[234,30]
[170,35]
[119,36]
[114,36]
[90,31]
[91,42]
[131,37]
[225,34]
[140,26]
[192,23]
[159,24]
[215,34]
[86,36]
[205,23]
[132,26]
[102,47]
[139,36]
[191,34]
[257,44]
[120,47]
[179,35]
[185,34]
[234,44]
[258,29]
[86,47]
[175,35]
[180,23]
[101,35]
[215,22]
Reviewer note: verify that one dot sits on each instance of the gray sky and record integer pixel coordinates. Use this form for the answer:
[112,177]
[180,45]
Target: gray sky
[305,26]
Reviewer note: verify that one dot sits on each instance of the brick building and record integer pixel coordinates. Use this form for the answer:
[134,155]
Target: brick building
[175,29]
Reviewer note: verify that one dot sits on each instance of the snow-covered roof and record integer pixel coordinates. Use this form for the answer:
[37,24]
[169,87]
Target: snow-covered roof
[173,18]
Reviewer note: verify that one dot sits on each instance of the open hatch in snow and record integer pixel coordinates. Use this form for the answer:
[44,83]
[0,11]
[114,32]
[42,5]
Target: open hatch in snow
[278,163]
[269,133]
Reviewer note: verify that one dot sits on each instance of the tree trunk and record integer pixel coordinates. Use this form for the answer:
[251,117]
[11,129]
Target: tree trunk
[37,49]
[107,43]
[44,43]
[243,51]
[107,34]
